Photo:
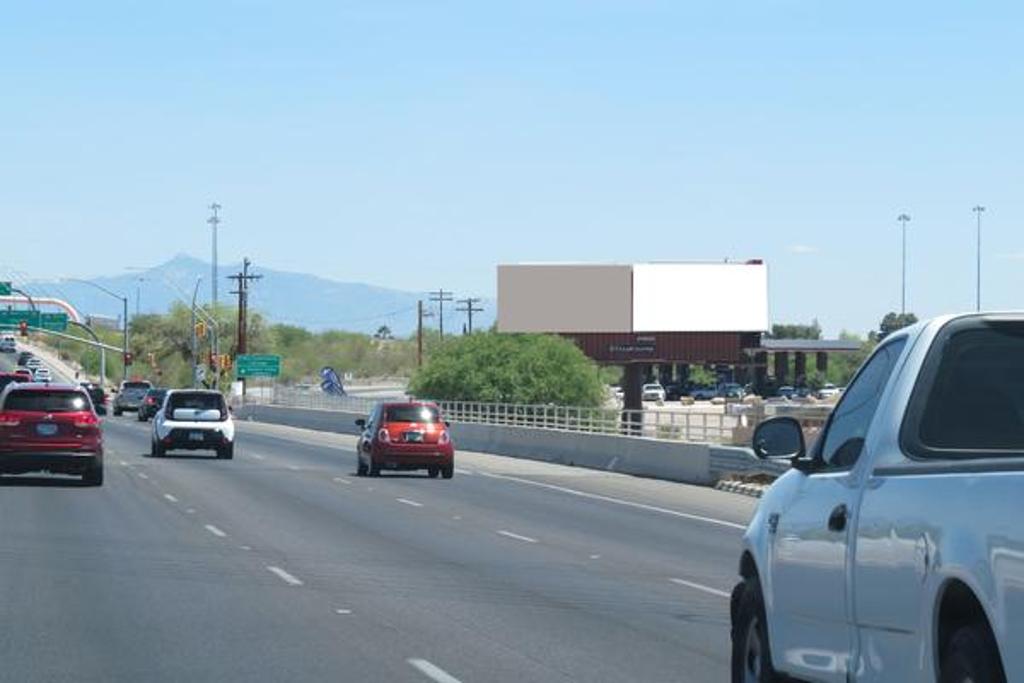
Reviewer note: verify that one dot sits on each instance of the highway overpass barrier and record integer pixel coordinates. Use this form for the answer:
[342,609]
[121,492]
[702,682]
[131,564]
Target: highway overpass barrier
[692,463]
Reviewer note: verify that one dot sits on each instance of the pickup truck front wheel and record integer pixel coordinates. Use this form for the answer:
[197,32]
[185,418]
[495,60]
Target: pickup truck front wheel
[971,657]
[751,656]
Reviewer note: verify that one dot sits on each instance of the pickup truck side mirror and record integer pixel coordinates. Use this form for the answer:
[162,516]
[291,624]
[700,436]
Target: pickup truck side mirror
[779,438]
[361,423]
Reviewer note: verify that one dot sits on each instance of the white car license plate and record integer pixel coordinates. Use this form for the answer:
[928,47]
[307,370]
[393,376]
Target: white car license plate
[195,436]
[46,429]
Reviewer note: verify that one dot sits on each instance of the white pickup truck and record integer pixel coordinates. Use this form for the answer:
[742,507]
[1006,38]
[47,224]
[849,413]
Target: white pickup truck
[893,550]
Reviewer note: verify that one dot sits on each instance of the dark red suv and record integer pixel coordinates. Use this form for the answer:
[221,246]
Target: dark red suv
[405,436]
[50,428]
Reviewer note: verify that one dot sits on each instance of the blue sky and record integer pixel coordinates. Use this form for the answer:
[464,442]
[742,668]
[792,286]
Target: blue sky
[418,143]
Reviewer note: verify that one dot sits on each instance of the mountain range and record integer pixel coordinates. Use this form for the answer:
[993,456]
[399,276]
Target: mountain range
[301,299]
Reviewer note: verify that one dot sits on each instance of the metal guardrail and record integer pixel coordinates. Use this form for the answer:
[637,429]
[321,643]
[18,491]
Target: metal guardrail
[734,425]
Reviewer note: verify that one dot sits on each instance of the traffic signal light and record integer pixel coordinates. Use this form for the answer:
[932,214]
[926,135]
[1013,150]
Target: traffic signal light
[225,362]
[128,358]
[23,328]
[201,329]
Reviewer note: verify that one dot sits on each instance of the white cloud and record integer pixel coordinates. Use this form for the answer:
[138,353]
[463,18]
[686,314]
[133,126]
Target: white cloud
[802,249]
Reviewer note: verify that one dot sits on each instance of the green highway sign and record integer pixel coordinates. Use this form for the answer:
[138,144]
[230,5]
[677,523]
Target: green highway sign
[55,322]
[5,288]
[258,365]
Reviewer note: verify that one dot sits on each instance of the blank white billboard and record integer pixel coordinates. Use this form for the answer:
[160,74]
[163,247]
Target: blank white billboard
[700,297]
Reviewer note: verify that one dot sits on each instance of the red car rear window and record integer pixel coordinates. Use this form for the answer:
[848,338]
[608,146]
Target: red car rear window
[411,414]
[47,401]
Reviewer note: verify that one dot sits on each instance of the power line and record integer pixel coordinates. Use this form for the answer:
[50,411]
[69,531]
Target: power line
[243,279]
[469,308]
[440,297]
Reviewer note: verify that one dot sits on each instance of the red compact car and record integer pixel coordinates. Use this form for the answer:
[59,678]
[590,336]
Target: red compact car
[405,436]
[24,373]
[50,428]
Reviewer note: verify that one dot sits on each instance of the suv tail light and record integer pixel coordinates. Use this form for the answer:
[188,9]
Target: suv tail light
[383,435]
[87,421]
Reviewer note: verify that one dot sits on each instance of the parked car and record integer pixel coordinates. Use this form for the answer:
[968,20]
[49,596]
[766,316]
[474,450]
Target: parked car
[828,391]
[98,396]
[405,436]
[130,395]
[892,549]
[8,344]
[652,392]
[50,428]
[787,392]
[703,393]
[151,403]
[193,419]
[42,374]
[731,390]
[673,391]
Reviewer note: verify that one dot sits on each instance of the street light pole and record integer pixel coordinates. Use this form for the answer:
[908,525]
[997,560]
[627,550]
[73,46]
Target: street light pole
[904,219]
[978,210]
[214,221]
[124,319]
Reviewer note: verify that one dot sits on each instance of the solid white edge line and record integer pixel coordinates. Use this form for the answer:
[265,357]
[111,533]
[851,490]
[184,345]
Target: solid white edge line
[284,576]
[431,671]
[214,530]
[462,471]
[700,587]
[406,501]
[617,501]
[342,480]
[257,456]
[509,534]
[170,498]
[143,475]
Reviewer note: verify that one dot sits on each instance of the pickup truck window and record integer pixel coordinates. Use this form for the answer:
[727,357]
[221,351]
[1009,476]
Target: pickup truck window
[841,445]
[970,399]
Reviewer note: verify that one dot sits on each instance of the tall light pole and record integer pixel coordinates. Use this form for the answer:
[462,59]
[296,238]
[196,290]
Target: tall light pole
[124,321]
[904,219]
[978,210]
[214,221]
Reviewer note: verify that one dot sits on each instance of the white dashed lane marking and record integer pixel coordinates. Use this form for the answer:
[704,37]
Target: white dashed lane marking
[215,531]
[284,576]
[170,498]
[432,671]
[406,501]
[518,537]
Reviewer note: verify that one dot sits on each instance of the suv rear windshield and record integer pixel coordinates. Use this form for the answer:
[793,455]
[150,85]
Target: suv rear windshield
[47,401]
[196,401]
[971,398]
[146,386]
[411,414]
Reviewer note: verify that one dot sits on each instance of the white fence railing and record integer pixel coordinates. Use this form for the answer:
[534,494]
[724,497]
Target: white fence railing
[730,424]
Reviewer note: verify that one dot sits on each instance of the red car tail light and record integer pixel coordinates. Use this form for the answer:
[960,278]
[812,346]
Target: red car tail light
[87,421]
[383,435]
[9,420]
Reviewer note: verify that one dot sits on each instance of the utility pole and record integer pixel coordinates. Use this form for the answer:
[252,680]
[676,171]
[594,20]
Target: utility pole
[440,297]
[243,279]
[469,308]
[420,315]
[904,219]
[214,222]
[978,210]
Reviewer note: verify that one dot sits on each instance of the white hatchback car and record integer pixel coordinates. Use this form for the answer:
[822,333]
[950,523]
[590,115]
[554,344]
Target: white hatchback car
[42,374]
[194,419]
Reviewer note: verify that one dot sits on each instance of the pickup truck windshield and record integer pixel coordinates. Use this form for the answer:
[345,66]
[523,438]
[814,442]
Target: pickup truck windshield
[976,398]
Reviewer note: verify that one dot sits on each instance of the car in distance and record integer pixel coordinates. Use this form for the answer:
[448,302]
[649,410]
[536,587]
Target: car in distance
[405,436]
[703,393]
[828,391]
[8,344]
[98,396]
[130,395]
[23,358]
[151,403]
[33,363]
[193,419]
[42,374]
[50,428]
[652,392]
[892,549]
[24,373]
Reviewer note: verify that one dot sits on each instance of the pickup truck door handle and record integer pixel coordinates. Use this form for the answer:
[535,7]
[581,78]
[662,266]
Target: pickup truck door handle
[837,520]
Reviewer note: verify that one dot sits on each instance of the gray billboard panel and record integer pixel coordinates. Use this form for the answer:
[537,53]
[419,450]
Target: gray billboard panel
[565,298]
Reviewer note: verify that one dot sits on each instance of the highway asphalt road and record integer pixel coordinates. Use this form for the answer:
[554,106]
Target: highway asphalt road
[281,565]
